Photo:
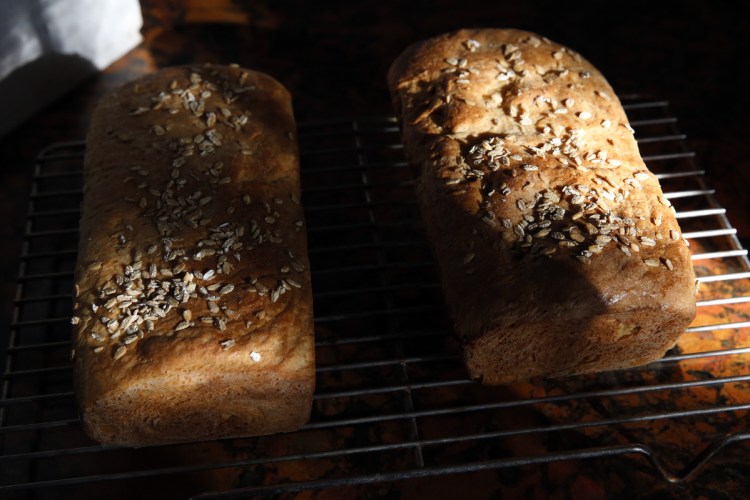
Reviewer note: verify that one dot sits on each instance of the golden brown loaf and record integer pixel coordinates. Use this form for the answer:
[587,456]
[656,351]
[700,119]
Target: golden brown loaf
[193,310]
[558,252]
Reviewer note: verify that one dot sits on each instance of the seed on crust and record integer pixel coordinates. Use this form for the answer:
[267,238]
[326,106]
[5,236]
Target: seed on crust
[119,352]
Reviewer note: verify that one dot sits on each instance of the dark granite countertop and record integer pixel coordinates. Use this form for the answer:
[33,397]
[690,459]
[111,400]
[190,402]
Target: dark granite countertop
[333,56]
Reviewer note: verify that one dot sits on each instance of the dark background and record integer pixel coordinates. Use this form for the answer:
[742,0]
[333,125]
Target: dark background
[333,56]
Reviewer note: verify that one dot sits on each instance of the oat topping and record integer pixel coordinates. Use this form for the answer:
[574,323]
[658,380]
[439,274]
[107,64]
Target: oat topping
[472,45]
[582,219]
[168,279]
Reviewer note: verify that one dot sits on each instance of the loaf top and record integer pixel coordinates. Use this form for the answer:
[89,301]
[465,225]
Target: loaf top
[508,82]
[192,248]
[519,143]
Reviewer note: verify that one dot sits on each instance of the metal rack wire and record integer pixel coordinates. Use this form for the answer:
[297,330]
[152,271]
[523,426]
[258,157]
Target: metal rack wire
[393,400]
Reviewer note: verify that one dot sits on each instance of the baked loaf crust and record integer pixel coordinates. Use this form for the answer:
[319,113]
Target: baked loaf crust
[557,250]
[193,310]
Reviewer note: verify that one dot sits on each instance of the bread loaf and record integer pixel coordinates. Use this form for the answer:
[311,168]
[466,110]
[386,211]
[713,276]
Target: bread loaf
[193,308]
[557,250]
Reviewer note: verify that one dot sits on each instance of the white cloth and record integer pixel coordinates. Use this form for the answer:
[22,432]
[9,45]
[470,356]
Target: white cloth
[94,33]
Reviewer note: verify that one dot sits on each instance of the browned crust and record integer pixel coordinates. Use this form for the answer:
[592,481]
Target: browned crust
[515,140]
[160,188]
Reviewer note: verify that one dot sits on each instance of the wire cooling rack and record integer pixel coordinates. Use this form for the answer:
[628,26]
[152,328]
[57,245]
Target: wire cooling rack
[393,402]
